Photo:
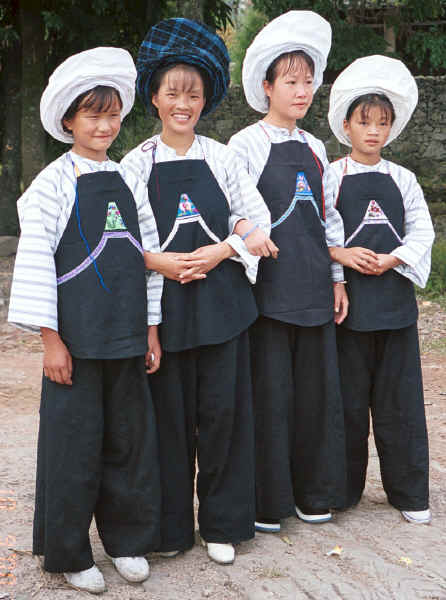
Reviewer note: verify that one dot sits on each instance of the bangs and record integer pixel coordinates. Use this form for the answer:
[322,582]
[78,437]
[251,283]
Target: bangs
[184,79]
[289,62]
[100,99]
[368,101]
[386,112]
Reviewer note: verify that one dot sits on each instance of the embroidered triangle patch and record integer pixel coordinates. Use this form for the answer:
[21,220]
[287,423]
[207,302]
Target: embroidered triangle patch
[302,186]
[375,213]
[186,208]
[114,221]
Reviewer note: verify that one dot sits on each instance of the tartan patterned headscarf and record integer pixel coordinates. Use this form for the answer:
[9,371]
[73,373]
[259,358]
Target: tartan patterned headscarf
[183,41]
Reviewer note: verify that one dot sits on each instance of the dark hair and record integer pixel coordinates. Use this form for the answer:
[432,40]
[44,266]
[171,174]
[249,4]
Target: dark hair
[155,82]
[366,101]
[293,58]
[99,98]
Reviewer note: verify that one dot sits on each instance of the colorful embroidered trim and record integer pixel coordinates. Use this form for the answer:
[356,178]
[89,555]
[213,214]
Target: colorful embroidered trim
[106,236]
[114,221]
[187,213]
[374,215]
[303,193]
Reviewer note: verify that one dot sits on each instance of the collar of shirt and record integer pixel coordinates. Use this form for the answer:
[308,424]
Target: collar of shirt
[165,152]
[354,166]
[280,134]
[87,165]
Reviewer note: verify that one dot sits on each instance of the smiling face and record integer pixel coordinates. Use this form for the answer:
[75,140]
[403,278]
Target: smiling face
[368,129]
[180,99]
[290,94]
[95,126]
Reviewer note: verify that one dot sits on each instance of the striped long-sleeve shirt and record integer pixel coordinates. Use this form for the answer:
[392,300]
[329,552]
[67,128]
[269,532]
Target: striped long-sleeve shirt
[244,200]
[44,210]
[252,146]
[415,251]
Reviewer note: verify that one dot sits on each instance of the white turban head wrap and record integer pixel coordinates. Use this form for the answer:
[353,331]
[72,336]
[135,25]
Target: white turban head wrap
[294,30]
[373,75]
[79,73]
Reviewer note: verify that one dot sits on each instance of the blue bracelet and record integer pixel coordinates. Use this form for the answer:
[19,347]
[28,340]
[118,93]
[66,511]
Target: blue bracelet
[244,236]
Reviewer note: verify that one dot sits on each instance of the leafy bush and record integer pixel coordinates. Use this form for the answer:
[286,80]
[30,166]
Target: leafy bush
[436,285]
[251,23]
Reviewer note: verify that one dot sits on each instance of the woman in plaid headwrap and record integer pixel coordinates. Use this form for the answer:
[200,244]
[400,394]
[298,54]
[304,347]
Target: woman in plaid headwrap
[199,195]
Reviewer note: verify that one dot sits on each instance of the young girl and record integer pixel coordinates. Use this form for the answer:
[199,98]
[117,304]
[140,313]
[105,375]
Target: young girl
[80,278]
[297,402]
[202,393]
[388,239]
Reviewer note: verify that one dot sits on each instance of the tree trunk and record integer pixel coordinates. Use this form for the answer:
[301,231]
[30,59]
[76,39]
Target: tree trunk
[10,148]
[190,9]
[33,83]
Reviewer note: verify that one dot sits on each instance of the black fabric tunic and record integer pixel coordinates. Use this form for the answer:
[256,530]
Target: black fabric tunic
[379,358]
[202,392]
[97,451]
[300,452]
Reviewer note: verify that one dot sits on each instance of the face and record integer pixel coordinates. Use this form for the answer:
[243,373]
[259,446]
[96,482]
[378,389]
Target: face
[291,94]
[94,131]
[180,100]
[368,133]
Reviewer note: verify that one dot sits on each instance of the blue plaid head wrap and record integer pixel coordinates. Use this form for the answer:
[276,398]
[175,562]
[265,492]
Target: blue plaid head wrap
[183,41]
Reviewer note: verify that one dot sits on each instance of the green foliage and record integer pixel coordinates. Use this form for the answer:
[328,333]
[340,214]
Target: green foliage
[250,25]
[436,285]
[428,45]
[418,44]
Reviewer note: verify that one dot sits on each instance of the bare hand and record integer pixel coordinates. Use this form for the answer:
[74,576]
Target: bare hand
[154,352]
[361,259]
[208,257]
[340,302]
[257,242]
[57,361]
[173,264]
[385,263]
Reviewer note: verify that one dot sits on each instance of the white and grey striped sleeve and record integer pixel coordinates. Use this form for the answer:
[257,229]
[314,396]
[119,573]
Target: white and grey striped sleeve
[33,301]
[334,225]
[150,243]
[245,202]
[415,251]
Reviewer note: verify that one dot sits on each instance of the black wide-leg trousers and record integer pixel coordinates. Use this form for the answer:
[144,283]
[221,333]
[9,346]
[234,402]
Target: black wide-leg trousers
[299,431]
[203,404]
[381,373]
[97,455]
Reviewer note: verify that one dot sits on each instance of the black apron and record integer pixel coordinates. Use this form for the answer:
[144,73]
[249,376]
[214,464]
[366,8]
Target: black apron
[372,209]
[191,211]
[297,287]
[102,305]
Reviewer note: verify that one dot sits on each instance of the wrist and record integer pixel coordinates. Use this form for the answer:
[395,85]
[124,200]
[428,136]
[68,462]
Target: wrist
[227,250]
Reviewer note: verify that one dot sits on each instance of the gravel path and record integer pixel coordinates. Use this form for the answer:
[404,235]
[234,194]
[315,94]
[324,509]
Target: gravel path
[382,556]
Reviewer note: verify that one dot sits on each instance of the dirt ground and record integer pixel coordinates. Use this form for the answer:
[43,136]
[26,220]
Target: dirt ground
[382,557]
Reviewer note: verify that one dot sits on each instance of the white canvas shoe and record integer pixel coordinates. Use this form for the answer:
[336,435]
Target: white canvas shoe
[132,568]
[91,580]
[311,516]
[169,553]
[223,554]
[417,516]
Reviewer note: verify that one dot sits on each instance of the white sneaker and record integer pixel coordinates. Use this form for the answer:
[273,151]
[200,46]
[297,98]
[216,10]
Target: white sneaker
[90,580]
[169,554]
[417,516]
[223,554]
[267,526]
[310,517]
[132,568]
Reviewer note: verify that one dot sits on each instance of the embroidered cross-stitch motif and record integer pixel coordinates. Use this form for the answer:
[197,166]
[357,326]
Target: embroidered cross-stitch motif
[114,229]
[188,213]
[374,215]
[114,221]
[303,192]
